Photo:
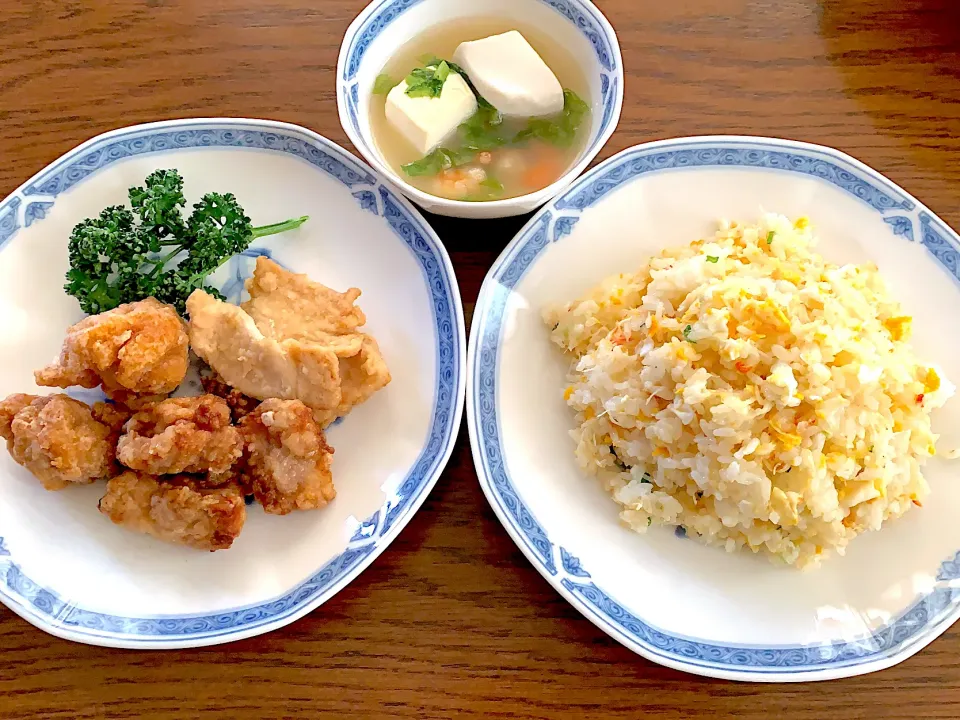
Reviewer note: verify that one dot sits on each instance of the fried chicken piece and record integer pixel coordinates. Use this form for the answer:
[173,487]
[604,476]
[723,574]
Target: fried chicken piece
[289,306]
[230,342]
[240,405]
[294,339]
[182,435]
[175,510]
[134,401]
[112,415]
[361,376]
[136,349]
[58,439]
[9,409]
[287,457]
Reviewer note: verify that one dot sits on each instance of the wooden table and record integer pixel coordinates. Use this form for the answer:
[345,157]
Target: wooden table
[452,621]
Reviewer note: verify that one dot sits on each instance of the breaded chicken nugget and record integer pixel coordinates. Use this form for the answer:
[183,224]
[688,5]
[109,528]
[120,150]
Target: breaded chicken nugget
[137,349]
[175,510]
[59,439]
[287,458]
[181,435]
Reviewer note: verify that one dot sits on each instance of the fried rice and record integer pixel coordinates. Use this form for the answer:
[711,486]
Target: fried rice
[753,394]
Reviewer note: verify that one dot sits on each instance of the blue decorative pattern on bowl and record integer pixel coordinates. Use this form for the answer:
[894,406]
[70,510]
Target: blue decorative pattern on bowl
[927,614]
[42,605]
[580,14]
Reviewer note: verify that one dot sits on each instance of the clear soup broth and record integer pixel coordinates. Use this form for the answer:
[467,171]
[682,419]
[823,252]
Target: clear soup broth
[520,161]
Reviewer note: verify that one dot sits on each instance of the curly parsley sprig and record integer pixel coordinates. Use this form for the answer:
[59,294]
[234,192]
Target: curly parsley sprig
[127,255]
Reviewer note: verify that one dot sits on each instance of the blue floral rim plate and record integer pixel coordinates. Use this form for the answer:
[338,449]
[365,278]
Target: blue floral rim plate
[567,526]
[402,232]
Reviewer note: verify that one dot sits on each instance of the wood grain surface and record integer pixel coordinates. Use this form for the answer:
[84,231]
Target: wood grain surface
[452,621]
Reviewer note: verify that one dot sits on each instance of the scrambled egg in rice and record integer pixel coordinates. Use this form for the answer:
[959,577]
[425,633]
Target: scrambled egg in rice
[752,393]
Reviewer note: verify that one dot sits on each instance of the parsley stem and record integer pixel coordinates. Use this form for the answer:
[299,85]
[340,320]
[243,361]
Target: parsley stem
[161,262]
[276,228]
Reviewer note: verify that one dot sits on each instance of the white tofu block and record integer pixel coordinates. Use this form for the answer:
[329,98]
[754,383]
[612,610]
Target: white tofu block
[427,121]
[510,75]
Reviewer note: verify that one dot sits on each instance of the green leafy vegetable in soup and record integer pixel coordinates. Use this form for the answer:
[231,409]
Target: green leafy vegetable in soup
[384,84]
[490,155]
[487,132]
[491,183]
[562,130]
[484,131]
[439,160]
[487,189]
[433,61]
[428,81]
[150,251]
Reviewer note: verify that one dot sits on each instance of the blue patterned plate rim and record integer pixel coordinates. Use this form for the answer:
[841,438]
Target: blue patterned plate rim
[914,628]
[42,606]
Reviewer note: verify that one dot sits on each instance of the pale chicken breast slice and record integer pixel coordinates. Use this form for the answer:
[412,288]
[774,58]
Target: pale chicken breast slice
[287,305]
[361,375]
[230,342]
[290,306]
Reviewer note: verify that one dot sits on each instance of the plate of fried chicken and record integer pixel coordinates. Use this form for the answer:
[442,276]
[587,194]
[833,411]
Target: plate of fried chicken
[212,427]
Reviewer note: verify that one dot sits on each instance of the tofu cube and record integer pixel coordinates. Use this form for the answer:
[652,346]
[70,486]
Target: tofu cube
[511,76]
[427,121]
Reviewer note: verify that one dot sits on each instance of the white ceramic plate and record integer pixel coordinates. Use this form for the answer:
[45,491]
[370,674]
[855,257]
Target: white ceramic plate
[65,567]
[671,599]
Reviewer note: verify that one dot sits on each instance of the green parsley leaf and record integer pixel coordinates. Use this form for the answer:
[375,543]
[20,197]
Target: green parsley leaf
[712,259]
[127,255]
[686,333]
[492,183]
[649,521]
[384,84]
[770,237]
[158,204]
